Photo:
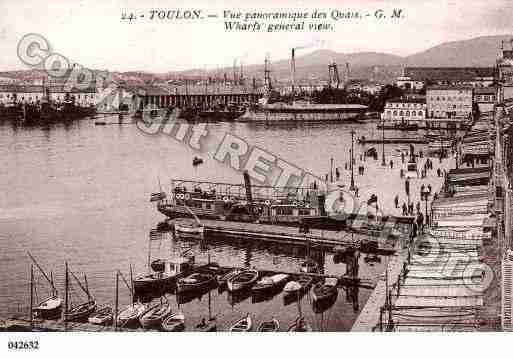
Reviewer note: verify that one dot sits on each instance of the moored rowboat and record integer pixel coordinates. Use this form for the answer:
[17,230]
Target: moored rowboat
[174,323]
[80,312]
[242,325]
[195,282]
[269,283]
[243,280]
[131,314]
[300,325]
[269,326]
[154,316]
[326,290]
[102,316]
[50,308]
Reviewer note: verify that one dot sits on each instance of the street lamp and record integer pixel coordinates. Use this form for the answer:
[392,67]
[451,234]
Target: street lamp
[383,162]
[352,160]
[331,170]
[426,196]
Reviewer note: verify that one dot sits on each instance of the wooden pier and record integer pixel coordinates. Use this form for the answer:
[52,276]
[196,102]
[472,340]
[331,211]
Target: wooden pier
[289,235]
[369,317]
[397,140]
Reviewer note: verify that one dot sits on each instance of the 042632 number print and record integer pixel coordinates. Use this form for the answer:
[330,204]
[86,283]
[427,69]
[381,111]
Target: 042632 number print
[23,345]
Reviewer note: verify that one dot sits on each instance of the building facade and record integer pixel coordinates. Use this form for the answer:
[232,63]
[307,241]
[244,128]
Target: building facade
[404,111]
[56,93]
[449,102]
[485,98]
[449,76]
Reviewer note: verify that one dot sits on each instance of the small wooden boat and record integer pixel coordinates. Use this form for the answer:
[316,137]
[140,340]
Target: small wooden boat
[102,316]
[325,290]
[50,308]
[80,312]
[203,326]
[242,325]
[131,314]
[174,323]
[302,284]
[163,274]
[300,325]
[195,282]
[223,279]
[269,326]
[309,266]
[243,280]
[154,316]
[187,226]
[269,283]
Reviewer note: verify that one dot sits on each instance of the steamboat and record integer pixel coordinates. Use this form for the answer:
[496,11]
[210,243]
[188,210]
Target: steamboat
[238,202]
[302,207]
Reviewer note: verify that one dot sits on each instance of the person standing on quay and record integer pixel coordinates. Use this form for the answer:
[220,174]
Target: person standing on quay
[420,222]
[405,210]
[391,164]
[396,201]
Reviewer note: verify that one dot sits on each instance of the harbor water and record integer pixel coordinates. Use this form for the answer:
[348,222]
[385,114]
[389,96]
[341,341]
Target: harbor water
[80,193]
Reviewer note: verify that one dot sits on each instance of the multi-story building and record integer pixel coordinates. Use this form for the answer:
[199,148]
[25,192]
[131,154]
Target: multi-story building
[35,93]
[408,83]
[449,102]
[404,111]
[415,78]
[485,98]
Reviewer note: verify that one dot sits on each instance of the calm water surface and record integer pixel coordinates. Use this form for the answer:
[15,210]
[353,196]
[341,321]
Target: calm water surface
[79,192]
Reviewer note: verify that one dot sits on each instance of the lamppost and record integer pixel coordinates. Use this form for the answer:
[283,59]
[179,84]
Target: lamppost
[331,169]
[426,196]
[352,160]
[383,162]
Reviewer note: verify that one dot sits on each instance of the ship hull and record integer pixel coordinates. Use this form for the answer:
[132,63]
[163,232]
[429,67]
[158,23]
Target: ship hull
[301,116]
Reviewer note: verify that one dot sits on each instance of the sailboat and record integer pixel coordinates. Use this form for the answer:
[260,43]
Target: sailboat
[50,307]
[81,311]
[129,316]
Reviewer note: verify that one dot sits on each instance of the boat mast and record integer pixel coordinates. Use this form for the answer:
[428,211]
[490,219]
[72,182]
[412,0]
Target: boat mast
[293,73]
[132,284]
[43,272]
[31,315]
[83,287]
[51,278]
[66,299]
[87,288]
[116,303]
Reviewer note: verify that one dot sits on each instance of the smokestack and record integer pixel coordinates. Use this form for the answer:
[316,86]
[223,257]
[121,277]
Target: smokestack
[235,71]
[247,184]
[293,71]
[241,74]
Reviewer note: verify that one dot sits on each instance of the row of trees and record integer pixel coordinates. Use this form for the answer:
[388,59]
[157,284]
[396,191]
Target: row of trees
[375,102]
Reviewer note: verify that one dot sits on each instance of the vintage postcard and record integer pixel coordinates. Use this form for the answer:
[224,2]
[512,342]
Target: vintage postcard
[265,166]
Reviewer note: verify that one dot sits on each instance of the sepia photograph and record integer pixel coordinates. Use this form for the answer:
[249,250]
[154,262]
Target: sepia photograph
[259,166]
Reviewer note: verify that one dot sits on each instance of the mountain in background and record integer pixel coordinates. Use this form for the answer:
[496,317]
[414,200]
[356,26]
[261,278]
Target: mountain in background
[374,66]
[477,52]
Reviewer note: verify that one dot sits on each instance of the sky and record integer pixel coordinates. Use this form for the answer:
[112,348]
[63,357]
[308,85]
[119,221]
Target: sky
[93,34]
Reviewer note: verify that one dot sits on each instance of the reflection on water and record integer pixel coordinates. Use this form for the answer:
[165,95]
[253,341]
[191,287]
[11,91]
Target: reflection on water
[334,313]
[79,192]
